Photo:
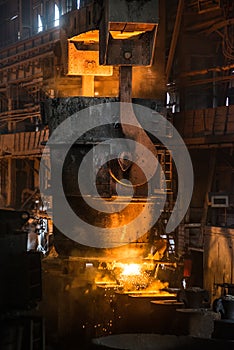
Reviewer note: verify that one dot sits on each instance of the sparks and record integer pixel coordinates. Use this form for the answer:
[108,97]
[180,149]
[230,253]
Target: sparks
[131,270]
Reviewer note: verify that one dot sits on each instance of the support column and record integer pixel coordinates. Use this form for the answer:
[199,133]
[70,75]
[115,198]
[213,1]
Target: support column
[209,186]
[88,85]
[125,84]
[10,125]
[9,183]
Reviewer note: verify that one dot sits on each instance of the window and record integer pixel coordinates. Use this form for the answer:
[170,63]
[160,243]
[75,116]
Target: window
[39,24]
[56,15]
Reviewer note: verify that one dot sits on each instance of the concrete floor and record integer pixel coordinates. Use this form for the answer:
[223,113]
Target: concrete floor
[148,342]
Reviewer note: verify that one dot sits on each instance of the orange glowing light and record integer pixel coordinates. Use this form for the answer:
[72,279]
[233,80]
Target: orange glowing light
[131,270]
[84,62]
[89,37]
[117,34]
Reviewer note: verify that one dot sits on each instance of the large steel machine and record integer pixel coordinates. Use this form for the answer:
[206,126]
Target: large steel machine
[119,41]
[110,39]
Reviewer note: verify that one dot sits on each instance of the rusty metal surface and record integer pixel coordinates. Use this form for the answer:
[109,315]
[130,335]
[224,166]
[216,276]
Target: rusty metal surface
[140,11]
[23,144]
[83,62]
[137,134]
[79,21]
[136,51]
[56,110]
[128,17]
[137,19]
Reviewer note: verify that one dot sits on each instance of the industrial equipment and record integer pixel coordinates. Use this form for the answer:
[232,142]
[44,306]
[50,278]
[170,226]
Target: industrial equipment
[21,286]
[95,40]
[101,39]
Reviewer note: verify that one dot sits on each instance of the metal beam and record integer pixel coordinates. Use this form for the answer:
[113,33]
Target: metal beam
[220,25]
[208,70]
[224,78]
[174,39]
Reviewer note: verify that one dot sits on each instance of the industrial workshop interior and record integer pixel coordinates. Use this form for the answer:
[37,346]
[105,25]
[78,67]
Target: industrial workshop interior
[116,174]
